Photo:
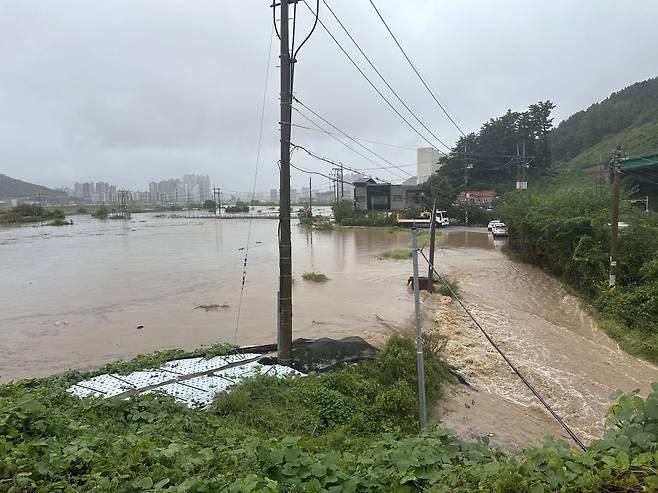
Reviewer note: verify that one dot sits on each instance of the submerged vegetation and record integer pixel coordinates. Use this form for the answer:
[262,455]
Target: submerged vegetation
[101,213]
[27,213]
[398,254]
[452,288]
[214,307]
[354,429]
[314,277]
[567,233]
[239,206]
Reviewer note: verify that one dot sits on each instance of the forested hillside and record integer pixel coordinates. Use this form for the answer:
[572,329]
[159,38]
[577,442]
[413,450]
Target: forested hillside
[628,118]
[491,154]
[13,188]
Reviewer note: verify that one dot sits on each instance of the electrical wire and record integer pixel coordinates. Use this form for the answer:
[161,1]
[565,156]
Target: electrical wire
[357,138]
[382,77]
[253,190]
[343,143]
[397,112]
[336,163]
[507,360]
[415,69]
[349,137]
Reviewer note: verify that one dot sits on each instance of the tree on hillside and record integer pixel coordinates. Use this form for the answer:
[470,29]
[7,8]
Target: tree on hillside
[488,156]
[438,187]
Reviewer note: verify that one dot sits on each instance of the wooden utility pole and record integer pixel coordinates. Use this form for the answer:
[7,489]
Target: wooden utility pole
[615,172]
[284,336]
[430,274]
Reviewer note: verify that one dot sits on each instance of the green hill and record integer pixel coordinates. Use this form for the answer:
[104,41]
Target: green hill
[13,188]
[628,118]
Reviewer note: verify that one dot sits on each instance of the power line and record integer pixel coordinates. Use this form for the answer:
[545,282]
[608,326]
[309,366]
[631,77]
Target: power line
[253,189]
[341,142]
[511,365]
[381,76]
[351,138]
[336,163]
[416,70]
[357,138]
[371,83]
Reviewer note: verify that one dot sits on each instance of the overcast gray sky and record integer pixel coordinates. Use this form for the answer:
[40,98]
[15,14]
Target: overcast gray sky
[132,91]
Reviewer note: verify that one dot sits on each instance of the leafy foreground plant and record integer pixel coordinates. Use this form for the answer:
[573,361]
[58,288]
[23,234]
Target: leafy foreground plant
[350,430]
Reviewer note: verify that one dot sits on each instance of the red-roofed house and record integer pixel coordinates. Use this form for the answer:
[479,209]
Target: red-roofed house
[477,197]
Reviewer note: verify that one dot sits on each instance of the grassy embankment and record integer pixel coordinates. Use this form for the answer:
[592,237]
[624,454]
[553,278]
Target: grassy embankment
[354,429]
[566,232]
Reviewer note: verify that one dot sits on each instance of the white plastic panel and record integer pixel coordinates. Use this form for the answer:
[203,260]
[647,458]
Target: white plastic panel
[210,384]
[107,385]
[191,366]
[191,396]
[81,392]
[238,373]
[148,378]
[197,391]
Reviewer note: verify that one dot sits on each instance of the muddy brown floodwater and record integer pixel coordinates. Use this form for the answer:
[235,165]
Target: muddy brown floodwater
[75,296]
[83,295]
[547,334]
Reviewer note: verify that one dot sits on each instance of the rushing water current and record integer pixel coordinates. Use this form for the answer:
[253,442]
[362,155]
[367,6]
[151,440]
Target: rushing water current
[80,296]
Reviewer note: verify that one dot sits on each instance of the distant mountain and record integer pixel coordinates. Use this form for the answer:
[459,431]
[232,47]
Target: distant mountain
[13,188]
[628,118]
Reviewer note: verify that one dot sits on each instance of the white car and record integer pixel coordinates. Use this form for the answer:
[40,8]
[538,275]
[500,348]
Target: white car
[499,229]
[492,223]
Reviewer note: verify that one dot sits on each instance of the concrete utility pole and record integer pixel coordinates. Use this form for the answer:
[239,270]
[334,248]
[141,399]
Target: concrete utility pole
[430,274]
[218,201]
[284,336]
[422,411]
[615,162]
[310,196]
[465,187]
[342,183]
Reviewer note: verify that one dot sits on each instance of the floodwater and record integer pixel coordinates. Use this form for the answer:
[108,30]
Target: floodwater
[546,333]
[75,297]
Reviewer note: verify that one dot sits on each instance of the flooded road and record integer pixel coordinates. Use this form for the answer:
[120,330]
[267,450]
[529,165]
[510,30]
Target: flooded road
[74,297]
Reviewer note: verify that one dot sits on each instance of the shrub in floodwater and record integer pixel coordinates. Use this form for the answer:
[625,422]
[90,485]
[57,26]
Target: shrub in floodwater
[452,286]
[101,213]
[398,254]
[314,277]
[323,226]
[239,206]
